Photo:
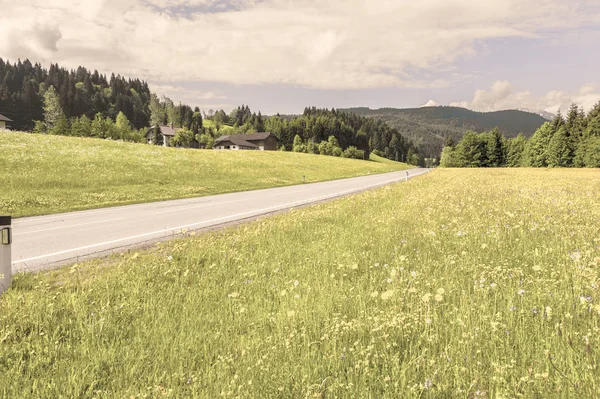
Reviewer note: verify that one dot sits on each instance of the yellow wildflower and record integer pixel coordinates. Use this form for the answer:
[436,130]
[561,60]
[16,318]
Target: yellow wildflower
[387,295]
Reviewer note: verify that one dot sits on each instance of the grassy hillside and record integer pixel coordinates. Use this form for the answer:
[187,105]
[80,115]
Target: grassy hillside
[377,158]
[488,289]
[428,127]
[44,174]
[225,129]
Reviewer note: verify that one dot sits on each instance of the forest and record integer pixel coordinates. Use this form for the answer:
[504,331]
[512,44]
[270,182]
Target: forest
[573,141]
[429,127]
[89,104]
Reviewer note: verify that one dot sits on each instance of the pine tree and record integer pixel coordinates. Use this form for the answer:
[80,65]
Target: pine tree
[53,112]
[196,122]
[470,152]
[593,122]
[495,149]
[560,149]
[298,144]
[156,111]
[122,126]
[535,150]
[515,150]
[448,158]
[157,138]
[61,126]
[97,126]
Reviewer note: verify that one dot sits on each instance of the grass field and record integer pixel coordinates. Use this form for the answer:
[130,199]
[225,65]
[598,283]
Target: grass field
[44,174]
[377,158]
[225,129]
[461,283]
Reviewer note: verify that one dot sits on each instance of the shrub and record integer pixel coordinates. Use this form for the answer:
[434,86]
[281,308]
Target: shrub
[354,153]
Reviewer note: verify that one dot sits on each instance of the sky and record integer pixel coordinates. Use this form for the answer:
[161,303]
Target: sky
[284,55]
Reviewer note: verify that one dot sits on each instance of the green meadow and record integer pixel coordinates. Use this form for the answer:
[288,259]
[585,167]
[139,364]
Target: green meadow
[458,284]
[43,174]
[225,129]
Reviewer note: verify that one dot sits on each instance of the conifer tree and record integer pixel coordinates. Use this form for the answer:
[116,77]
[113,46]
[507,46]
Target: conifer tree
[515,149]
[122,126]
[535,151]
[157,138]
[53,112]
[560,149]
[470,152]
[494,149]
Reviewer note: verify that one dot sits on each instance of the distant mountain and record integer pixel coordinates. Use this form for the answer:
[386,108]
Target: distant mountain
[544,114]
[428,127]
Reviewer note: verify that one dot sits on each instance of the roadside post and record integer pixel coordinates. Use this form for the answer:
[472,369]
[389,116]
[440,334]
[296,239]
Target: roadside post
[5,256]
[406,176]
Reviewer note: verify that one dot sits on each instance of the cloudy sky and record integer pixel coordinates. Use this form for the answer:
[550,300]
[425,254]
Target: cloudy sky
[281,55]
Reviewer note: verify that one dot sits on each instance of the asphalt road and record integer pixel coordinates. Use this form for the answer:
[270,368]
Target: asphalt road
[43,242]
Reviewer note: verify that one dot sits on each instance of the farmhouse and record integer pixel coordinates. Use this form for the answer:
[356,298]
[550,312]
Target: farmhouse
[4,122]
[167,133]
[251,141]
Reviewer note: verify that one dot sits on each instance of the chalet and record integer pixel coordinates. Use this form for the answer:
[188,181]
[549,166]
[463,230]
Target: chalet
[251,141]
[167,133]
[4,122]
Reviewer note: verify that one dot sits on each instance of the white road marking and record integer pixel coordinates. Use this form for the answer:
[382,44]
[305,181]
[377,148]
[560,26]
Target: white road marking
[255,212]
[286,193]
[65,227]
[198,206]
[74,214]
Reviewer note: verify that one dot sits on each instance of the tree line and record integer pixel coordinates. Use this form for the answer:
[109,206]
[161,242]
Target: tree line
[316,131]
[573,141]
[23,86]
[89,104]
[80,97]
[315,127]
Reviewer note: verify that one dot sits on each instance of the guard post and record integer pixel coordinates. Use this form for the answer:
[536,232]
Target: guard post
[5,256]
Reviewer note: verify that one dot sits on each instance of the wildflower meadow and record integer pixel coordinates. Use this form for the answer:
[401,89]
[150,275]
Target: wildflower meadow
[460,283]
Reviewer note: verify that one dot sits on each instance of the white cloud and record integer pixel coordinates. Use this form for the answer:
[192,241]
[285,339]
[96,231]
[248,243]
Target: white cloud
[346,44]
[430,103]
[193,97]
[503,95]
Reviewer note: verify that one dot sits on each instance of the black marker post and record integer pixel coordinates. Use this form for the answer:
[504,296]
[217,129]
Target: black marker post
[5,256]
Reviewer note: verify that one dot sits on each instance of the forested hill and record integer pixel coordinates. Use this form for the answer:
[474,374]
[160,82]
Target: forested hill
[80,92]
[428,127]
[88,104]
[570,142]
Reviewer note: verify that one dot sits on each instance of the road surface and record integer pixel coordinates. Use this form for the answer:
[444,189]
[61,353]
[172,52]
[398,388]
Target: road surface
[43,242]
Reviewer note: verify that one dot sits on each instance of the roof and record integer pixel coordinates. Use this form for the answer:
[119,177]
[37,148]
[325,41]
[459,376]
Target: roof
[246,137]
[236,141]
[4,119]
[165,130]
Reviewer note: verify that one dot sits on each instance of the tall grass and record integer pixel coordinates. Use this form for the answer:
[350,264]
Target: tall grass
[43,174]
[461,283]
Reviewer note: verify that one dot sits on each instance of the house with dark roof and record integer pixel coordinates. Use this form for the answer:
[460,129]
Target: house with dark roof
[252,141]
[167,133]
[4,122]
